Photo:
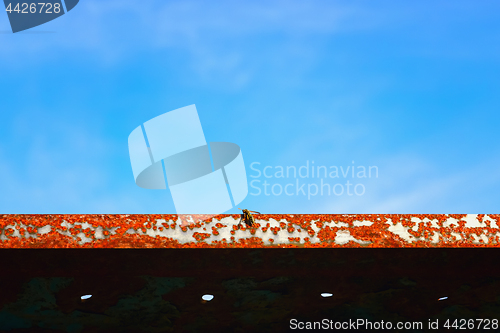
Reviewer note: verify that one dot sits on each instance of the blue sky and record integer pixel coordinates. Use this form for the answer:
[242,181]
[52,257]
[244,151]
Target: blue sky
[409,87]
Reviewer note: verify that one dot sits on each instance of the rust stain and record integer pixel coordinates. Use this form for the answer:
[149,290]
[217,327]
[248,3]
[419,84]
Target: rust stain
[270,230]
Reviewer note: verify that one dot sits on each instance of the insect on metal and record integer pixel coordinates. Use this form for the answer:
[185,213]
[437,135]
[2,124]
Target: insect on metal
[247,217]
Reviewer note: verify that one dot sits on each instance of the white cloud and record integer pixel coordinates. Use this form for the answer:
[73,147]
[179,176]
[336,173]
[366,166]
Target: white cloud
[413,185]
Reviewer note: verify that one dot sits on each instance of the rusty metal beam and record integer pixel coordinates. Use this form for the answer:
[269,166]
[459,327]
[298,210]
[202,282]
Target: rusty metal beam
[271,230]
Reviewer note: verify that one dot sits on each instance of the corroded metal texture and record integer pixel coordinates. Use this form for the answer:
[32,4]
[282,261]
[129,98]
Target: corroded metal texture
[271,230]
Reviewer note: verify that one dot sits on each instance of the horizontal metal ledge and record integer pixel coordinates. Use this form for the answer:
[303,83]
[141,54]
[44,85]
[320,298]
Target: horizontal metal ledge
[271,230]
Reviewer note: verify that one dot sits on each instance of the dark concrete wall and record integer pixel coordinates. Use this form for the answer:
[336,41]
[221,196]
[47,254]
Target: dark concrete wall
[261,290]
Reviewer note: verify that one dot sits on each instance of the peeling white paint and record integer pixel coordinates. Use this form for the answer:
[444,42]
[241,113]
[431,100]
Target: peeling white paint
[450,222]
[98,233]
[362,223]
[435,237]
[400,230]
[343,234]
[493,223]
[339,224]
[44,230]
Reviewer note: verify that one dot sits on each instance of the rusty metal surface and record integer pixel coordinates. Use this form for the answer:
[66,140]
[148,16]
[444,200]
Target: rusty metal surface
[271,230]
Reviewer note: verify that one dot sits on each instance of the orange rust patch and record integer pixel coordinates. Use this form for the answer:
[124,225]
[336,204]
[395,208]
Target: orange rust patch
[320,230]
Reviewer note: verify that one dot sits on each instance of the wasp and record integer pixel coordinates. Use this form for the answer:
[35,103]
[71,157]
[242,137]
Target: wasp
[247,217]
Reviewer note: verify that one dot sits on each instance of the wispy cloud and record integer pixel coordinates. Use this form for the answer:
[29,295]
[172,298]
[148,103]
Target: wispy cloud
[413,185]
[67,168]
[114,30]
